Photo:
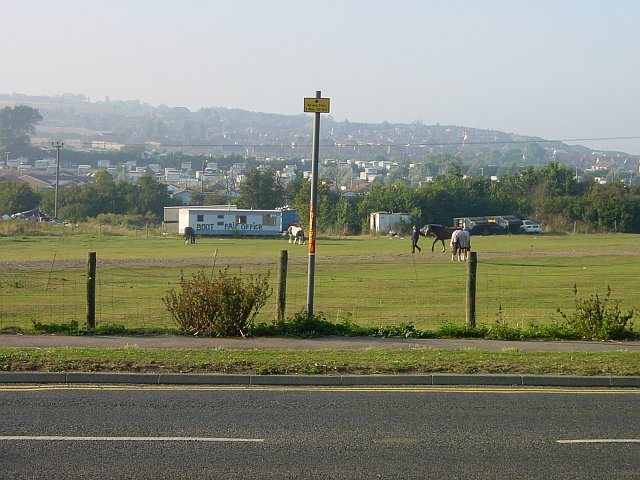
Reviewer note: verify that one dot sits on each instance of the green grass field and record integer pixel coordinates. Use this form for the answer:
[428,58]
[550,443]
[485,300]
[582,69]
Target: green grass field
[370,281]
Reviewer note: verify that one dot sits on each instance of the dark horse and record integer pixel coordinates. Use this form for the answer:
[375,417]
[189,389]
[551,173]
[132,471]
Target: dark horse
[441,233]
[189,235]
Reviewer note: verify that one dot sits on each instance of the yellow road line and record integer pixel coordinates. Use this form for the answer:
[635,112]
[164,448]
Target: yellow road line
[350,389]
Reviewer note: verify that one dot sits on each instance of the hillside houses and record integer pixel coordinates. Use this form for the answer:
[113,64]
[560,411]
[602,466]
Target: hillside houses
[349,174]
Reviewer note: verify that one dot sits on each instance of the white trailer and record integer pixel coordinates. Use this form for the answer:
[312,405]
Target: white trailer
[383,222]
[225,221]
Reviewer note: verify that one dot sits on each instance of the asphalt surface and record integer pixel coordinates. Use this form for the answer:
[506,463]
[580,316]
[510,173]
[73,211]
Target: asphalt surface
[84,432]
[331,343]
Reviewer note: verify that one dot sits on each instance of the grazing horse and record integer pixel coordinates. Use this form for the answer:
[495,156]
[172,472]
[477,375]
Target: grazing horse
[455,245]
[295,233]
[441,233]
[189,235]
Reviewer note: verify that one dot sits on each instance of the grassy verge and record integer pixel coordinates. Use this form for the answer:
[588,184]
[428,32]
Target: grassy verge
[329,362]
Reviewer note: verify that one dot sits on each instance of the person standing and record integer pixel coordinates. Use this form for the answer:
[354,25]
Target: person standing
[415,236]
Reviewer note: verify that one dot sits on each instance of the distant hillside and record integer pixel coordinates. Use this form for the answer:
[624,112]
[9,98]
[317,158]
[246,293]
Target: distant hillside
[79,122]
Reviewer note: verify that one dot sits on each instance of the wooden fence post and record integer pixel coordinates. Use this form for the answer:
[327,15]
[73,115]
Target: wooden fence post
[91,291]
[282,284]
[472,267]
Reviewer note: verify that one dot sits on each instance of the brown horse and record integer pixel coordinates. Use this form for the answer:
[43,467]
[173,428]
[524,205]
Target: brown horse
[441,233]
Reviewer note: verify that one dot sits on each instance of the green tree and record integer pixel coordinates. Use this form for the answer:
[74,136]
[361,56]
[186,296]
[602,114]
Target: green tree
[326,209]
[395,198]
[293,187]
[75,203]
[347,219]
[78,202]
[152,197]
[261,190]
[559,180]
[17,197]
[110,196]
[17,124]
[612,208]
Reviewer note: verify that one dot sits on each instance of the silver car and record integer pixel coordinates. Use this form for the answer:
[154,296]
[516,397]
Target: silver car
[529,226]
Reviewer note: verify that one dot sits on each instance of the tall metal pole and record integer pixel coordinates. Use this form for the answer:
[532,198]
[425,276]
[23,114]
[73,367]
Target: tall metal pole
[202,178]
[57,146]
[313,209]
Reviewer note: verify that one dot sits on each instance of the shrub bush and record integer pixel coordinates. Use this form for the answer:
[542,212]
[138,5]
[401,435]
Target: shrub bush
[596,318]
[224,306]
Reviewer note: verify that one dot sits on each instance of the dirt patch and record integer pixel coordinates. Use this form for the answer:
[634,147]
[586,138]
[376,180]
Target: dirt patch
[208,261]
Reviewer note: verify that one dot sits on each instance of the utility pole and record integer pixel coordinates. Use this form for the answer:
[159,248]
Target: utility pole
[57,146]
[316,106]
[202,178]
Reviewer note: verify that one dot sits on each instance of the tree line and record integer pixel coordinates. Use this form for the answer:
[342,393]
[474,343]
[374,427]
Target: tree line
[142,202]
[551,195]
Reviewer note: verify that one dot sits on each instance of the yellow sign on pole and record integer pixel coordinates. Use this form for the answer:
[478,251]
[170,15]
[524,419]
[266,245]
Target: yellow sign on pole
[316,105]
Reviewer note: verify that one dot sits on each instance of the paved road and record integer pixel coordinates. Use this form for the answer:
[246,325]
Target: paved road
[340,343]
[271,433]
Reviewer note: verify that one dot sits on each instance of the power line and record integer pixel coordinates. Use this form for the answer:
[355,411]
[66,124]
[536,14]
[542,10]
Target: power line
[383,145]
[57,146]
[403,145]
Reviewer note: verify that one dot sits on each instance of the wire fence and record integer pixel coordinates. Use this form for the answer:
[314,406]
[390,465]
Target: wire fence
[370,291]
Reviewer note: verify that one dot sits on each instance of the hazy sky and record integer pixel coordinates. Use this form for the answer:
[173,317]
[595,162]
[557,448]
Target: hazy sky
[558,69]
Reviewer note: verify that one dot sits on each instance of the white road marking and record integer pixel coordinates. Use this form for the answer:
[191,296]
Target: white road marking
[602,440]
[56,438]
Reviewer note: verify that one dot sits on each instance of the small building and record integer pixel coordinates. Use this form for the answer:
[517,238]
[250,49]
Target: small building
[230,221]
[182,195]
[172,175]
[383,222]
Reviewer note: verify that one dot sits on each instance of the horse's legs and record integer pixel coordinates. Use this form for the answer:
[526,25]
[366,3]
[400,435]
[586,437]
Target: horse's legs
[434,244]
[443,247]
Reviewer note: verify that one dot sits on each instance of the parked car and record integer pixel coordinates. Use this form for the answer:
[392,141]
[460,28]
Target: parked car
[529,226]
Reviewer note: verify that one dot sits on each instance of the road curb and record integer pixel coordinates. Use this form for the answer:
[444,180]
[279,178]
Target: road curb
[313,380]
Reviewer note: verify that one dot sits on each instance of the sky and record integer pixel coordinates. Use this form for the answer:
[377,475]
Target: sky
[556,69]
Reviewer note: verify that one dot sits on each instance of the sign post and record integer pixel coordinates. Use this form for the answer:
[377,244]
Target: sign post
[316,106]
